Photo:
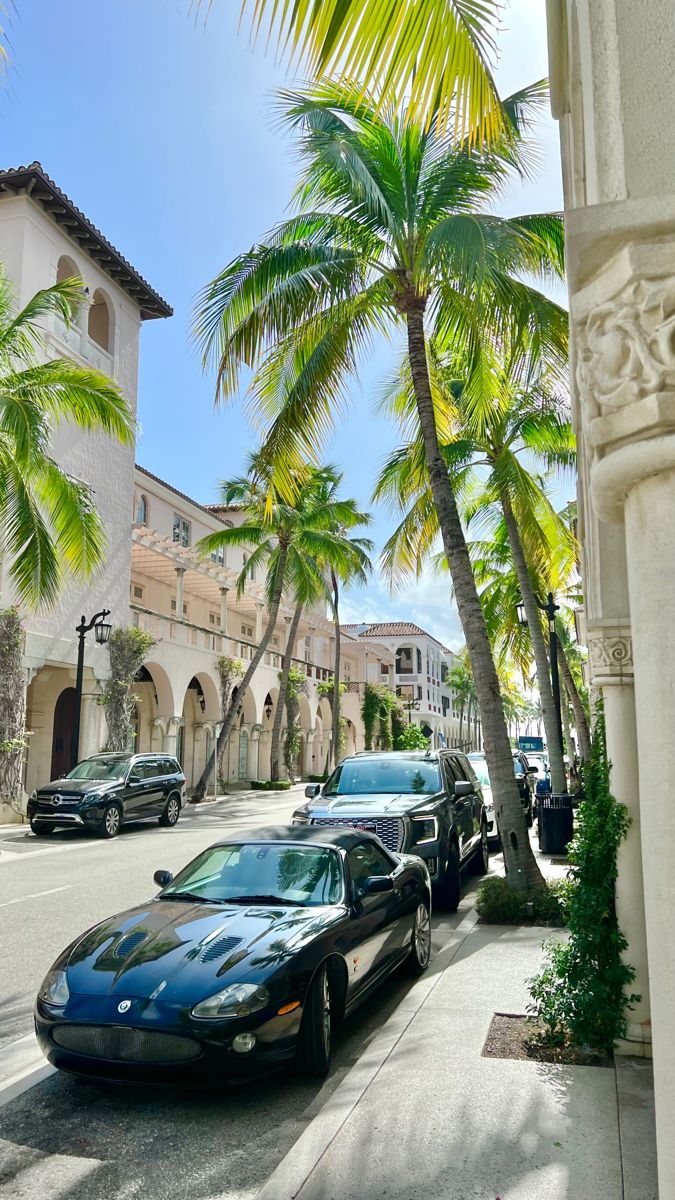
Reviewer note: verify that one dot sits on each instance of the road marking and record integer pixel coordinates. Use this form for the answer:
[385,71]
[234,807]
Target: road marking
[36,895]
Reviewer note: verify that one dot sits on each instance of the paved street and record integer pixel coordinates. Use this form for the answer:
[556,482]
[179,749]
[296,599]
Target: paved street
[72,1140]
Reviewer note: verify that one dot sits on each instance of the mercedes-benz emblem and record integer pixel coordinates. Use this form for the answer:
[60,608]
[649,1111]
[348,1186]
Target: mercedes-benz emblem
[56,799]
[124,1006]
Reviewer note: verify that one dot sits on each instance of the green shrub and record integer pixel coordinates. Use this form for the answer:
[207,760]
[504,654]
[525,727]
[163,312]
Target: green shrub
[498,904]
[411,738]
[317,778]
[271,785]
[580,995]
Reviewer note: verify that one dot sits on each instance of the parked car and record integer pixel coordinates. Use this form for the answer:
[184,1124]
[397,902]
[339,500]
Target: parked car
[246,959]
[105,791]
[524,778]
[427,803]
[479,766]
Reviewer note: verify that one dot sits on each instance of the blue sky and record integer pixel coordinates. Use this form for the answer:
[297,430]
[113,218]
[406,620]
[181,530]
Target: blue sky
[159,128]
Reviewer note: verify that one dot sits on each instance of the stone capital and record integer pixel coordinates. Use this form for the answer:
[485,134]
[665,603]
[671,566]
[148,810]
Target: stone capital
[610,655]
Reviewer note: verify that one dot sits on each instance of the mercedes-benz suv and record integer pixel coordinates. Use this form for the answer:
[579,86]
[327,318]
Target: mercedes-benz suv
[424,803]
[103,792]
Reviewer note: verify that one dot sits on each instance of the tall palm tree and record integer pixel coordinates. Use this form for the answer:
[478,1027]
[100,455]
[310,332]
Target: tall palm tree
[274,528]
[506,448]
[460,681]
[395,229]
[49,522]
[440,59]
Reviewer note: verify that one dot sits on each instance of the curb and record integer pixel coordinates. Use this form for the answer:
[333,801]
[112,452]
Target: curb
[25,1065]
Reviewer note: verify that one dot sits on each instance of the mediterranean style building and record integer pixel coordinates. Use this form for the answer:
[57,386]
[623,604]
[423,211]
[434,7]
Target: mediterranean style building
[422,666]
[153,577]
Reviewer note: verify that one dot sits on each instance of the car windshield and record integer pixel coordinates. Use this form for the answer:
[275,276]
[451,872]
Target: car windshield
[480,768]
[100,769]
[373,776]
[262,872]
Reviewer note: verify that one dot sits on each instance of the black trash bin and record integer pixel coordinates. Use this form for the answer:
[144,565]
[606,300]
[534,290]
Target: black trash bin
[556,823]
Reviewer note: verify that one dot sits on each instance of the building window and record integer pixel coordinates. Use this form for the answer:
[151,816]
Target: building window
[141,514]
[384,669]
[214,618]
[181,530]
[247,631]
[218,556]
[173,607]
[99,324]
[347,671]
[138,592]
[404,660]
[419,662]
[308,649]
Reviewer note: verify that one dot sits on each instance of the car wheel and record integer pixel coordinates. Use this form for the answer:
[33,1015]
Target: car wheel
[528,817]
[171,812]
[41,827]
[112,821]
[480,862]
[316,1027]
[449,891]
[420,946]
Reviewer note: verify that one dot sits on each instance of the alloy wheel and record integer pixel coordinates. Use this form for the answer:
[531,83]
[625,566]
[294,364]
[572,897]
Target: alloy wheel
[485,849]
[172,811]
[325,1011]
[422,934]
[112,820]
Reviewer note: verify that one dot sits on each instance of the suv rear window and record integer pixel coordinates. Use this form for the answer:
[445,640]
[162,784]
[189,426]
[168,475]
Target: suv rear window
[385,776]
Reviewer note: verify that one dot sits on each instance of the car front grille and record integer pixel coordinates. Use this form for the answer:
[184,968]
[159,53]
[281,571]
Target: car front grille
[121,1044]
[388,829]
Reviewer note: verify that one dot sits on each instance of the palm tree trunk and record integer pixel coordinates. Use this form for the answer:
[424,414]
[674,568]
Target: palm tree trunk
[461,723]
[580,717]
[522,871]
[558,780]
[275,753]
[235,705]
[335,743]
[565,718]
[468,721]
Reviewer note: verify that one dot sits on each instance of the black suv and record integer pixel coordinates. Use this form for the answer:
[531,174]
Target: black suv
[103,791]
[429,804]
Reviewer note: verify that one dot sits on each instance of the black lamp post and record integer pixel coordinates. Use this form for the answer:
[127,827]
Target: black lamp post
[101,632]
[550,608]
[409,705]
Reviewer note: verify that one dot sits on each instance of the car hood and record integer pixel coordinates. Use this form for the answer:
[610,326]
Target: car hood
[79,787]
[186,949]
[386,804]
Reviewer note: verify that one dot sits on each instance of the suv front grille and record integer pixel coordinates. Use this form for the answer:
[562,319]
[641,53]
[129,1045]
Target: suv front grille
[121,1044]
[388,829]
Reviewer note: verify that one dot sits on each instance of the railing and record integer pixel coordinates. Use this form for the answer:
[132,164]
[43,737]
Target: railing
[78,342]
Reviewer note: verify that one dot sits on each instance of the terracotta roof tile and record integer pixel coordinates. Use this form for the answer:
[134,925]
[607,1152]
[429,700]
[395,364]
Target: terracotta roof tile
[392,629]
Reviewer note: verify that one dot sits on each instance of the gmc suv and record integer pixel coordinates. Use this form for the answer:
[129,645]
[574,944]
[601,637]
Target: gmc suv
[106,790]
[424,803]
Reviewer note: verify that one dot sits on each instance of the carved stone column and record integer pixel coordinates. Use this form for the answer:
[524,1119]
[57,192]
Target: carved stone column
[169,727]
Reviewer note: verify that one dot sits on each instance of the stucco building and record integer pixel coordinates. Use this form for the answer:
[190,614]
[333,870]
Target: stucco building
[153,576]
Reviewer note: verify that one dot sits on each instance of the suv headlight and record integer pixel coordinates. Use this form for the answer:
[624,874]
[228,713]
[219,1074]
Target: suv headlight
[300,817]
[92,796]
[54,990]
[33,795]
[424,829]
[237,1000]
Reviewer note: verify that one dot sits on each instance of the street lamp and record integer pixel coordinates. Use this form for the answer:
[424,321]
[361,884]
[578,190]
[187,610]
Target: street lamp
[409,705]
[101,632]
[550,608]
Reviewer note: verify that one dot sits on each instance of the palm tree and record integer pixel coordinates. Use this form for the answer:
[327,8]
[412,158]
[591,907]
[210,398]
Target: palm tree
[441,62]
[503,452]
[460,681]
[395,230]
[49,522]
[274,528]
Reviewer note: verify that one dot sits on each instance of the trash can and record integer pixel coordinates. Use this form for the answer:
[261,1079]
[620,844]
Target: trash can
[556,823]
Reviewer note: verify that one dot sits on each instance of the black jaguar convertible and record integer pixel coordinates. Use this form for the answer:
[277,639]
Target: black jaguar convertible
[243,961]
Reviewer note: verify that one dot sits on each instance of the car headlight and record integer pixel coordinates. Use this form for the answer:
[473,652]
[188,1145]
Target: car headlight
[237,1000]
[93,796]
[33,795]
[300,817]
[424,829]
[54,990]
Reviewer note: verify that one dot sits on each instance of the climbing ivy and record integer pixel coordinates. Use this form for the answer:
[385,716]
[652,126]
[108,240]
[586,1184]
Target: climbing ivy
[580,995]
[297,685]
[380,704]
[13,735]
[128,648]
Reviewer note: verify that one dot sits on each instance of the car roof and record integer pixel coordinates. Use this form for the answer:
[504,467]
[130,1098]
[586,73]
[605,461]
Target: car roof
[320,835]
[130,754]
[416,755]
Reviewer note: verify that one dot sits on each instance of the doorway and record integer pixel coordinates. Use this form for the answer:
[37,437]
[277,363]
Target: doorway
[63,748]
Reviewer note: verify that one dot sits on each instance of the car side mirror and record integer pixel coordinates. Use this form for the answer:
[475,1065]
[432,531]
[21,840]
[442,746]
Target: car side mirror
[162,878]
[533,770]
[312,790]
[376,883]
[464,787]
[134,778]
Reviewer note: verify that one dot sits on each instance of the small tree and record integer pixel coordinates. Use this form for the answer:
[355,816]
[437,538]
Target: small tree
[297,685]
[412,738]
[13,736]
[128,648]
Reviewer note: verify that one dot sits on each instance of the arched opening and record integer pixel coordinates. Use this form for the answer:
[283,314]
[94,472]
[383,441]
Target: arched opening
[242,772]
[404,660]
[63,747]
[100,323]
[66,269]
[141,513]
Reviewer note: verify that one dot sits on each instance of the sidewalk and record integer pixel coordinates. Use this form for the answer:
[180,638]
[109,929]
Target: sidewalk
[423,1116]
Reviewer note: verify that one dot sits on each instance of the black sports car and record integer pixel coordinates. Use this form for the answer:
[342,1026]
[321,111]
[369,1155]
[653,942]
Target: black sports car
[245,960]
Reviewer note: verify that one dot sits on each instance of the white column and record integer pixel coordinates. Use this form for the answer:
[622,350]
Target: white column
[223,610]
[180,581]
[90,721]
[258,623]
[254,752]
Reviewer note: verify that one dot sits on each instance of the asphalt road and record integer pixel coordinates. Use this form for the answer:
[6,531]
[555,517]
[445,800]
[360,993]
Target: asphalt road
[68,1139]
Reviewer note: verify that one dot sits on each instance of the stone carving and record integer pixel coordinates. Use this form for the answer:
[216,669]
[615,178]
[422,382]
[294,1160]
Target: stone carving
[627,346]
[610,655]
